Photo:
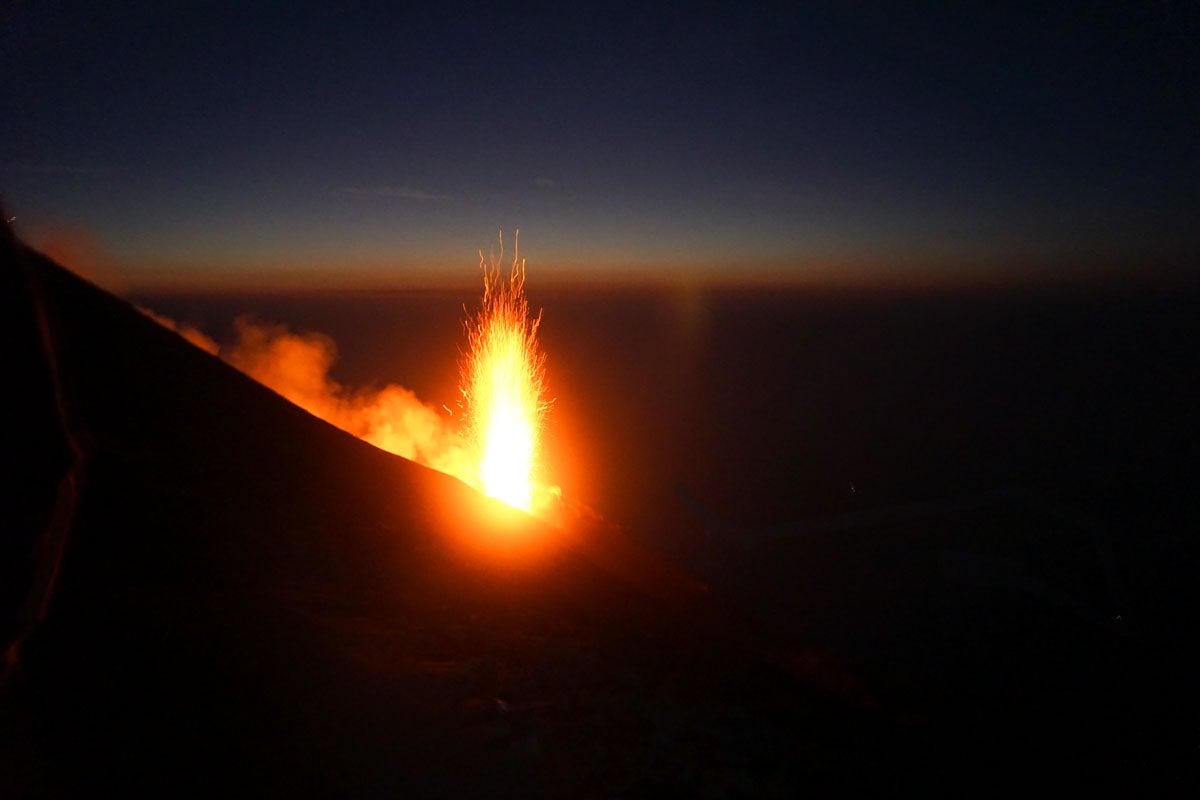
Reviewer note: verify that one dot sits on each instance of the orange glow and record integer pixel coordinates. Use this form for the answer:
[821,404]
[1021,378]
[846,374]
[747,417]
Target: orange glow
[503,385]
[493,446]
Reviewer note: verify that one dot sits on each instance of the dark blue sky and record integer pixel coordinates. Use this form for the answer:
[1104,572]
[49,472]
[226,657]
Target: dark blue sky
[224,142]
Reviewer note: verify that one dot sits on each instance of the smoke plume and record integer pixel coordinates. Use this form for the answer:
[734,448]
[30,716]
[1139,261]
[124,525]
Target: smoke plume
[189,332]
[296,366]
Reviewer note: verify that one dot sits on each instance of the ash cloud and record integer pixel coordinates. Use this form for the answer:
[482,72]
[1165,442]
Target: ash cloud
[189,332]
[296,366]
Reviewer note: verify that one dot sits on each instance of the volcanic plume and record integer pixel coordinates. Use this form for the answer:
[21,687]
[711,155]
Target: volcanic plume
[503,385]
[492,446]
[296,366]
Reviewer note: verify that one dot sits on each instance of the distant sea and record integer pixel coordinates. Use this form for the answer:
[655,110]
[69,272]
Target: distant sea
[773,406]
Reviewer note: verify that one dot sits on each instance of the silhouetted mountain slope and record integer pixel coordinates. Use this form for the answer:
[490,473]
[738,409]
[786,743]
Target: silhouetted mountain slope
[251,599]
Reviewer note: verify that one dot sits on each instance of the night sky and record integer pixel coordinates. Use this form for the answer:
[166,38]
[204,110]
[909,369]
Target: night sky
[350,144]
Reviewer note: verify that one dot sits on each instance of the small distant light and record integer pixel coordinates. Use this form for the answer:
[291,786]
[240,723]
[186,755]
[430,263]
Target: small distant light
[11,220]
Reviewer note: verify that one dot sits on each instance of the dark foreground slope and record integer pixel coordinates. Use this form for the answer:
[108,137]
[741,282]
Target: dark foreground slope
[249,598]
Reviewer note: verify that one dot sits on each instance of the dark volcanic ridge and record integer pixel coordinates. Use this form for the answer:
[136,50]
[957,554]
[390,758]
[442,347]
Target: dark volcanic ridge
[250,597]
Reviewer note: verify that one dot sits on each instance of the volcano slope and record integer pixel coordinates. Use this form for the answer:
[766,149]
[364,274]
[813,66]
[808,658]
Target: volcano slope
[250,598]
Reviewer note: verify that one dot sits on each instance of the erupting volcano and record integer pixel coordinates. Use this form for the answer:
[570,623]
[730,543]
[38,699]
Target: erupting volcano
[493,446]
[503,384]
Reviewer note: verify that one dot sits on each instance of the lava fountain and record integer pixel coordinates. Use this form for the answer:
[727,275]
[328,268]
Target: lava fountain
[503,384]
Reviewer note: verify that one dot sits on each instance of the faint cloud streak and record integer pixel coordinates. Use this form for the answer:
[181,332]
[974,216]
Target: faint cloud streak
[391,192]
[56,169]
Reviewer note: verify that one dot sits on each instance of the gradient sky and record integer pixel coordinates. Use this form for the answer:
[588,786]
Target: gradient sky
[224,142]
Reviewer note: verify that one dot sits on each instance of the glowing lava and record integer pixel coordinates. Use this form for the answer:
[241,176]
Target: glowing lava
[503,384]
